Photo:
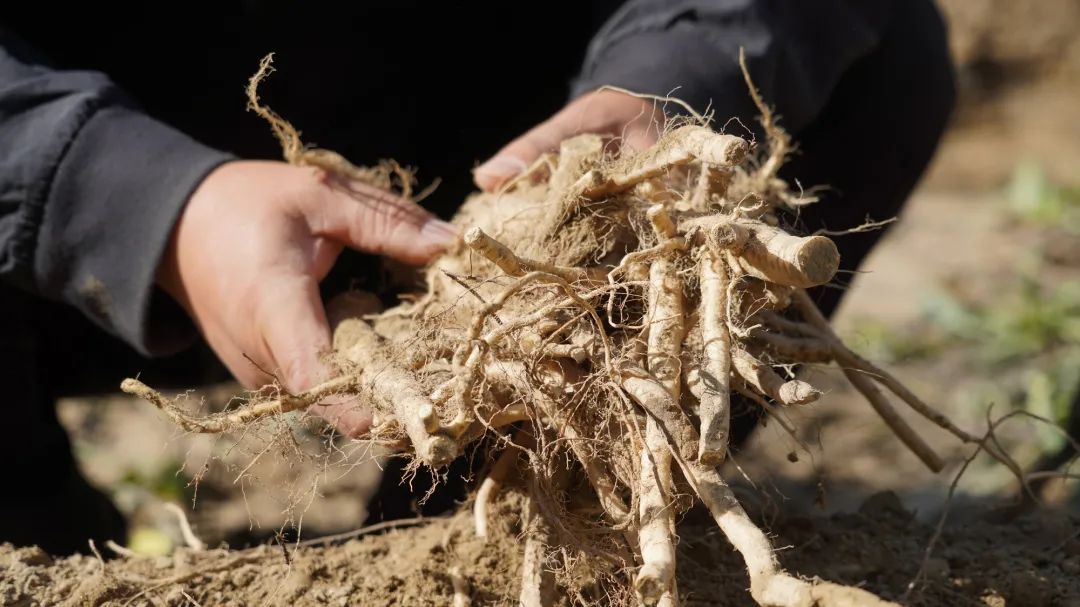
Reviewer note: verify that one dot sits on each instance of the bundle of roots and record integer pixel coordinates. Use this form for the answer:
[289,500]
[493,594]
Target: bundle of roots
[588,332]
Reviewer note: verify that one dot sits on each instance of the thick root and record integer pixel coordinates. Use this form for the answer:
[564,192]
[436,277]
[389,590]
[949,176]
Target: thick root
[682,147]
[768,382]
[395,389]
[537,584]
[776,256]
[489,488]
[714,408]
[657,514]
[501,255]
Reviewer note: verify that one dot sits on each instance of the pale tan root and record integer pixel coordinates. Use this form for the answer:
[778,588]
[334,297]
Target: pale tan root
[873,395]
[462,592]
[665,314]
[657,518]
[806,350]
[489,488]
[768,382]
[510,414]
[742,388]
[664,343]
[532,343]
[121,551]
[190,539]
[903,431]
[770,585]
[685,145]
[714,397]
[656,400]
[852,360]
[537,584]
[827,339]
[720,232]
[712,184]
[574,352]
[501,255]
[395,389]
[538,352]
[664,363]
[576,156]
[477,347]
[797,261]
[662,224]
[753,295]
[223,422]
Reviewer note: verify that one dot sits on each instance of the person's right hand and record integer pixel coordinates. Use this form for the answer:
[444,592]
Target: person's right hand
[250,248]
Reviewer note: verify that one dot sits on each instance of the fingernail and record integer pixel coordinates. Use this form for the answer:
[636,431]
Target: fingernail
[438,232]
[501,167]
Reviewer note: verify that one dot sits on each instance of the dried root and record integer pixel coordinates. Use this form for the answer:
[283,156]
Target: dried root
[606,313]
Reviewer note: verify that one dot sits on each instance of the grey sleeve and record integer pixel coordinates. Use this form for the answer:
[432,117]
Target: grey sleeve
[796,50]
[90,188]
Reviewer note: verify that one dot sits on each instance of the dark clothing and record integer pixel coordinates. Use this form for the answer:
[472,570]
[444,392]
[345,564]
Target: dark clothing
[110,117]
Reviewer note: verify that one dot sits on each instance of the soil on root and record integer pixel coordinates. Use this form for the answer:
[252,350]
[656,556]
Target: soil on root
[1033,560]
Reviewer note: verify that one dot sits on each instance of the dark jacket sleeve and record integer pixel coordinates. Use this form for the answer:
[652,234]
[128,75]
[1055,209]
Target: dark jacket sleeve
[796,50]
[90,188]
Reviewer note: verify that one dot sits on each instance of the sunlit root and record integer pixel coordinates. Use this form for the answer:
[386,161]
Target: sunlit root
[680,147]
[776,256]
[228,420]
[656,537]
[501,255]
[537,585]
[394,388]
[714,408]
[656,511]
[490,486]
[768,382]
[770,585]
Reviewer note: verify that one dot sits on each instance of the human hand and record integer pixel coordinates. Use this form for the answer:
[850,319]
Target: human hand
[634,120]
[247,255]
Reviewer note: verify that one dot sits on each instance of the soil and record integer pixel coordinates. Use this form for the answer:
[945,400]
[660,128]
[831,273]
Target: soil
[1025,561]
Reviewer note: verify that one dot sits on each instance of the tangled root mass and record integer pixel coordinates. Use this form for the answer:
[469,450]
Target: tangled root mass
[589,328]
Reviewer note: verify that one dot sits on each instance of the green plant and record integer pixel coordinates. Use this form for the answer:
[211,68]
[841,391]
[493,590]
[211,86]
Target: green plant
[1031,196]
[1029,320]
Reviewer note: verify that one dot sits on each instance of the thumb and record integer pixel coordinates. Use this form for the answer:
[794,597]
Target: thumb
[372,220]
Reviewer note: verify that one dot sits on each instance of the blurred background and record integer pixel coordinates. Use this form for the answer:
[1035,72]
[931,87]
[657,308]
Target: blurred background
[973,299]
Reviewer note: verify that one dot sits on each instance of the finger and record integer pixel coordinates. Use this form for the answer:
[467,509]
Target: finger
[636,121]
[375,221]
[638,137]
[292,324]
[516,156]
[345,414]
[297,336]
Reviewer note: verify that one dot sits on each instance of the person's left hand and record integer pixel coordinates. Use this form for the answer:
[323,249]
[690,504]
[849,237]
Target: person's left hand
[635,121]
